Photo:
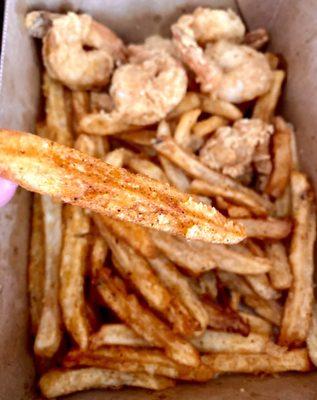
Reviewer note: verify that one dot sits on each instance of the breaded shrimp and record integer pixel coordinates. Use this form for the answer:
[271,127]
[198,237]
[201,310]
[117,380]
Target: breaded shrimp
[77,51]
[233,150]
[224,68]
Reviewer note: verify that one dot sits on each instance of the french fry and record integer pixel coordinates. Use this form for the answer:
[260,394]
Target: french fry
[56,112]
[221,108]
[280,273]
[238,212]
[72,274]
[235,283]
[137,270]
[261,286]
[273,60]
[36,270]
[267,309]
[163,129]
[100,123]
[209,125]
[131,359]
[190,101]
[265,105]
[117,158]
[116,334]
[182,134]
[142,320]
[225,342]
[146,167]
[47,167]
[298,306]
[197,258]
[235,298]
[270,228]
[180,287]
[282,205]
[257,324]
[143,137]
[257,38]
[282,159]
[93,145]
[98,254]
[312,337]
[207,284]
[49,332]
[294,150]
[135,235]
[294,360]
[57,383]
[174,174]
[80,106]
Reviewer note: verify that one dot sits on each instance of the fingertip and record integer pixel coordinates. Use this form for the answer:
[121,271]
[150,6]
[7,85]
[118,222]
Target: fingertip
[7,191]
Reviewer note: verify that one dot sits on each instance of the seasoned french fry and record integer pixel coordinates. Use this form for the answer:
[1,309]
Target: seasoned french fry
[47,167]
[221,108]
[197,258]
[98,254]
[136,269]
[116,334]
[209,125]
[135,235]
[174,174]
[49,332]
[56,112]
[257,38]
[294,360]
[270,228]
[257,324]
[182,134]
[129,359]
[268,309]
[190,101]
[72,274]
[225,342]
[298,306]
[36,270]
[143,137]
[265,105]
[180,287]
[143,321]
[282,159]
[57,383]
[280,273]
[312,337]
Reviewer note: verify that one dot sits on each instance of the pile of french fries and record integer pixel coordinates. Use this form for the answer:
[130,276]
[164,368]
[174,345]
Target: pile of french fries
[113,303]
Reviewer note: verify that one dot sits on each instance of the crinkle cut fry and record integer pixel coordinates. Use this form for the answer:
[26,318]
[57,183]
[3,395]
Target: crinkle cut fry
[298,307]
[224,185]
[142,320]
[46,167]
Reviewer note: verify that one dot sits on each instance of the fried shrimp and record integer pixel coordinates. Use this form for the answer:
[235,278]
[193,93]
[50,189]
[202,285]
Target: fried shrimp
[208,42]
[77,51]
[143,91]
[233,150]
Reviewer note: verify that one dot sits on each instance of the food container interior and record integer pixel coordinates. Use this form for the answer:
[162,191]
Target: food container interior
[293,30]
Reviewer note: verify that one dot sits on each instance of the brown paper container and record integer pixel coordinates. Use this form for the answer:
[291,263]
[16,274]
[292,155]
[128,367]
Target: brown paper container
[292,25]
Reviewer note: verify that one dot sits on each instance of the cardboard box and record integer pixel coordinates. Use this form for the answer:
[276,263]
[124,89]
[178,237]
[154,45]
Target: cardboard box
[293,29]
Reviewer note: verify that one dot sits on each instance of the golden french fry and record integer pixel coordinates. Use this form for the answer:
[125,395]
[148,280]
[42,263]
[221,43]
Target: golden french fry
[92,145]
[261,286]
[235,283]
[143,137]
[238,212]
[57,383]
[282,205]
[146,167]
[293,360]
[295,158]
[190,101]
[207,284]
[117,158]
[257,38]
[71,176]
[99,123]
[72,274]
[36,270]
[56,112]
[136,269]
[265,105]
[179,286]
[273,60]
[142,320]
[98,254]
[312,337]
[270,228]
[174,174]
[225,342]
[268,309]
[49,332]
[221,108]
[136,236]
[182,134]
[298,307]
[116,334]
[282,159]
[197,258]
[209,125]
[80,107]
[131,359]
[257,324]
[235,299]
[280,273]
